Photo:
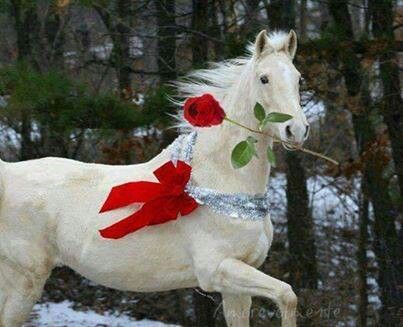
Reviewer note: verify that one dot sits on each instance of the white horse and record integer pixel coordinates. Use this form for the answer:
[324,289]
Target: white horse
[49,207]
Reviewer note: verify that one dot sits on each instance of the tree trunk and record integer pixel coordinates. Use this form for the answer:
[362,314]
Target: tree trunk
[274,14]
[119,29]
[26,144]
[166,39]
[281,14]
[362,259]
[121,47]
[55,39]
[216,29]
[123,63]
[302,20]
[251,25]
[386,242]
[385,245]
[300,231]
[199,25]
[392,105]
[26,25]
[25,20]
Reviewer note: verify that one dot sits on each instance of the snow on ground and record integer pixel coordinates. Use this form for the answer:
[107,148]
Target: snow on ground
[63,315]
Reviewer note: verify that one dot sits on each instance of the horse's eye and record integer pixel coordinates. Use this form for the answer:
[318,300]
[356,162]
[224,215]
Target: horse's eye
[264,79]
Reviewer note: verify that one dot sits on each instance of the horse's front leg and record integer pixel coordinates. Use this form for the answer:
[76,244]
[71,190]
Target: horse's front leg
[236,309]
[235,277]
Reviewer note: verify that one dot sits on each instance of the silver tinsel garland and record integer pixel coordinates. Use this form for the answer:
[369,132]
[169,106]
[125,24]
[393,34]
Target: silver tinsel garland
[237,205]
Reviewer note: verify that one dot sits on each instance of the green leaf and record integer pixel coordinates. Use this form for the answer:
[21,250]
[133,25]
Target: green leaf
[242,154]
[271,157]
[276,117]
[259,111]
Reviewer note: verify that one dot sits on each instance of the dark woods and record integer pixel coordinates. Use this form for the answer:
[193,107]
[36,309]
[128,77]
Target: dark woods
[87,80]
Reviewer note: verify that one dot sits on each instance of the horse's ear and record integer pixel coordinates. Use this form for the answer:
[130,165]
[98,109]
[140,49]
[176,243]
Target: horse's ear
[292,43]
[261,43]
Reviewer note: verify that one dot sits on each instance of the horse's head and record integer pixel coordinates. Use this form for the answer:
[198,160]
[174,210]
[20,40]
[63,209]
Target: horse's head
[277,83]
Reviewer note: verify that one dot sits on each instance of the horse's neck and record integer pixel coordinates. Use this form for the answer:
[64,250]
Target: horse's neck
[212,155]
[212,163]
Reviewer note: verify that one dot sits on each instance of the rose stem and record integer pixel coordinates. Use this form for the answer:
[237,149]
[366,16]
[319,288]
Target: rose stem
[296,147]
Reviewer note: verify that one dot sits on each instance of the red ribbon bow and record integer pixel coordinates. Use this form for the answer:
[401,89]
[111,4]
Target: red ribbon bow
[163,201]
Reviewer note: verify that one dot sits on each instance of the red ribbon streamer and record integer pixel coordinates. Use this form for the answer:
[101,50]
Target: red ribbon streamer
[163,201]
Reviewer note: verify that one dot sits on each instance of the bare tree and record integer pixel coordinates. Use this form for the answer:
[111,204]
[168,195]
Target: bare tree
[386,241]
[117,20]
[392,106]
[166,39]
[362,259]
[25,24]
[200,24]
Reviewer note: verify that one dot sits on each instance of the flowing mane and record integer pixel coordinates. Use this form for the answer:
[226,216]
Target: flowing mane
[215,80]
[221,76]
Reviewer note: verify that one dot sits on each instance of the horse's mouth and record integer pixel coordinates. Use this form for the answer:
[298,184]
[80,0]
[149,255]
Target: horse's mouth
[289,147]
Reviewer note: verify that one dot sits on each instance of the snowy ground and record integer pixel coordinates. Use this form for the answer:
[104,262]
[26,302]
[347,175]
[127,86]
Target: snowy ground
[62,315]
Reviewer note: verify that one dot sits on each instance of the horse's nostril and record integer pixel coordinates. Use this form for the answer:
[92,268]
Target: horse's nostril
[288,131]
[306,131]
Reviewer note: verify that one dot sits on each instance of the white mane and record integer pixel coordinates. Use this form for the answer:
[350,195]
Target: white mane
[215,80]
[220,77]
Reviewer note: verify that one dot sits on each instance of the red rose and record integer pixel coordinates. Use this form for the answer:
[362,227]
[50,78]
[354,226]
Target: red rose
[203,111]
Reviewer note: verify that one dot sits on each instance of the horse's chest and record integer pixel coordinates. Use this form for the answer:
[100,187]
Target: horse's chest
[247,241]
[254,249]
